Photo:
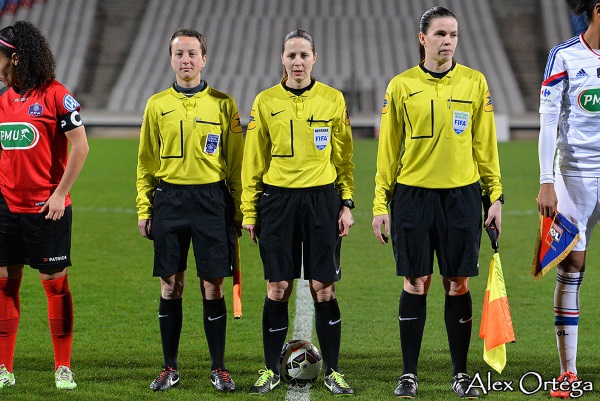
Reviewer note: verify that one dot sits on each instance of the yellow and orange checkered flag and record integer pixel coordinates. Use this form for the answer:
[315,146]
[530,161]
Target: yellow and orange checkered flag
[237,283]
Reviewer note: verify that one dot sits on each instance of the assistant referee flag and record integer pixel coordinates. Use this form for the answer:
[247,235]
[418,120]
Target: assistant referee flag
[496,322]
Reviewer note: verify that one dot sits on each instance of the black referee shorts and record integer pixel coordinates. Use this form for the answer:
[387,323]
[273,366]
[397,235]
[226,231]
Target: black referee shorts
[298,227]
[447,221]
[198,214]
[33,240]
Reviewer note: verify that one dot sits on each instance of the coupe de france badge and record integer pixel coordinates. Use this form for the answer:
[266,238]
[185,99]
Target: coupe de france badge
[321,136]
[35,110]
[212,144]
[460,121]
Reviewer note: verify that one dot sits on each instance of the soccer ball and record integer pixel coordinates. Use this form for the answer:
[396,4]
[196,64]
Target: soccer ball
[300,363]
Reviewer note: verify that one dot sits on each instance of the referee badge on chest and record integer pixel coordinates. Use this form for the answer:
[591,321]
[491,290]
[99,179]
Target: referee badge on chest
[321,136]
[212,143]
[460,119]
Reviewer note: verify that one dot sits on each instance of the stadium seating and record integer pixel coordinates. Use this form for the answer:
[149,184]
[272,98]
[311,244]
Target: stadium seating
[361,46]
[67,25]
[556,22]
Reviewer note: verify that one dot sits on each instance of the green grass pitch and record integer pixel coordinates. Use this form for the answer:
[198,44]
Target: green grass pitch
[117,351]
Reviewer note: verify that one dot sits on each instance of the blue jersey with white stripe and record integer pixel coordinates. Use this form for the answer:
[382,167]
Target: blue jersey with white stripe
[571,89]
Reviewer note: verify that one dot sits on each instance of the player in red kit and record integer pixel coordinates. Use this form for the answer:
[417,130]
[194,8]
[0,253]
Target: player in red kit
[38,120]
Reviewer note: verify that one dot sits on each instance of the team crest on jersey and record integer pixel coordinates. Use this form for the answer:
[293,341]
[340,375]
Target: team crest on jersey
[18,136]
[386,104]
[212,144]
[589,100]
[235,125]
[321,136]
[460,120]
[35,110]
[70,103]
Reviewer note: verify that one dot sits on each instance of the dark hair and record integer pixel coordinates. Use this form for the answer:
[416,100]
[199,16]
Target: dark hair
[36,64]
[192,33]
[297,33]
[425,22]
[580,6]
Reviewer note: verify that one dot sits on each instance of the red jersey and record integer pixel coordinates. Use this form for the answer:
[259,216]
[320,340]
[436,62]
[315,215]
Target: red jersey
[34,146]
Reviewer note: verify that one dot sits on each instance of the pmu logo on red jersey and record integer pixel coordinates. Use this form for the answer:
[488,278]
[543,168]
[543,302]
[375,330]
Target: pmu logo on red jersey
[20,135]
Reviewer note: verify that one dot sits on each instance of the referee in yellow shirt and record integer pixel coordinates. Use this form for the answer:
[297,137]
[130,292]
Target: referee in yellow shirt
[437,153]
[189,190]
[297,196]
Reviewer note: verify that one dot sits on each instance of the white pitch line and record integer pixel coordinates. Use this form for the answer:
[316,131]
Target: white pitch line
[303,328]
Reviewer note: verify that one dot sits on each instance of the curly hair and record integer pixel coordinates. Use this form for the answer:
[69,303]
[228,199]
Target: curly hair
[36,64]
[583,6]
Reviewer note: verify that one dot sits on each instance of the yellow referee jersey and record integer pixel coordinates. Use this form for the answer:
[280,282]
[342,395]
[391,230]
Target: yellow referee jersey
[436,133]
[297,142]
[189,141]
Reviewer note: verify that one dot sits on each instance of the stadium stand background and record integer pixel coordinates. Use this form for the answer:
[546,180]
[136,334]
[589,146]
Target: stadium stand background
[113,54]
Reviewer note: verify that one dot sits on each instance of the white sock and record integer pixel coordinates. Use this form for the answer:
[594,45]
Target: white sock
[566,318]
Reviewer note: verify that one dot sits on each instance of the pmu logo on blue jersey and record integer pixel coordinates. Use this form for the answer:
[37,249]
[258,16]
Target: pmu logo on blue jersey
[546,92]
[35,110]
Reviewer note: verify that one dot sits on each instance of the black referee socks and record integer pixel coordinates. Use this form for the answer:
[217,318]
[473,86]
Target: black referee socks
[170,319]
[412,313]
[275,328]
[458,314]
[215,328]
[328,325]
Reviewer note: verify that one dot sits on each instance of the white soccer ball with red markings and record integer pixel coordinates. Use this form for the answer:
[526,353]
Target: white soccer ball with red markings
[300,363]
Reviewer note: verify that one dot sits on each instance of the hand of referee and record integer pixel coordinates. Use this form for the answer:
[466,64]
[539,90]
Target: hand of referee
[495,213]
[145,226]
[250,229]
[345,221]
[377,222]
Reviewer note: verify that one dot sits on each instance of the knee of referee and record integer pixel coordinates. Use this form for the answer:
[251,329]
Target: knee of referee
[417,285]
[455,286]
[280,290]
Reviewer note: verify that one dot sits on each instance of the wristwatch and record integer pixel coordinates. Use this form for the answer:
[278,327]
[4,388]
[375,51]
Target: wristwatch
[349,203]
[501,198]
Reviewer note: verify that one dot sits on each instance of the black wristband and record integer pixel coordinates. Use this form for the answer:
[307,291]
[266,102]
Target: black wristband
[349,203]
